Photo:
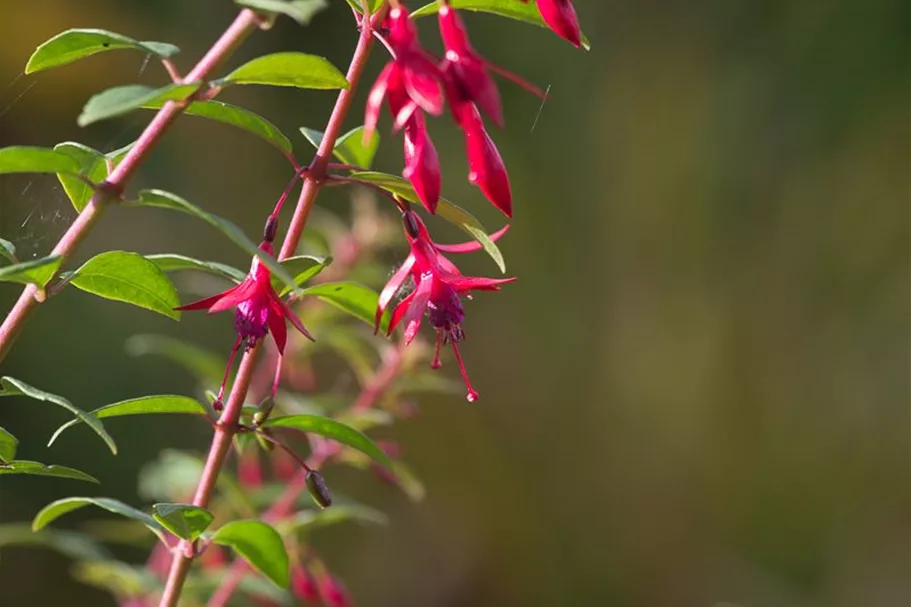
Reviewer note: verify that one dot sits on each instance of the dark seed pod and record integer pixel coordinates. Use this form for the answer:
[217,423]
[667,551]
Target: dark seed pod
[318,490]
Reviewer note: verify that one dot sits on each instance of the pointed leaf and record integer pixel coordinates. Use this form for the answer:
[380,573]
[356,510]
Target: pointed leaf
[39,469]
[183,520]
[10,386]
[130,278]
[170,262]
[520,11]
[92,166]
[288,69]
[301,11]
[373,4]
[166,200]
[122,99]
[325,426]
[203,364]
[75,44]
[55,510]
[445,209]
[8,250]
[146,405]
[30,159]
[349,148]
[236,116]
[38,271]
[258,544]
[303,268]
[351,297]
[8,445]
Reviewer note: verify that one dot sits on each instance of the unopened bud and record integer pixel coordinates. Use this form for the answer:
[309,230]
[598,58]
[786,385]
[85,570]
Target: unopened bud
[270,229]
[303,585]
[411,224]
[318,490]
[262,413]
[266,444]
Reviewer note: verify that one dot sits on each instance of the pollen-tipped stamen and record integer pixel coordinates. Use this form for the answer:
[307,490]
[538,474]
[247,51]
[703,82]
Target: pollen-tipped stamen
[472,394]
[218,405]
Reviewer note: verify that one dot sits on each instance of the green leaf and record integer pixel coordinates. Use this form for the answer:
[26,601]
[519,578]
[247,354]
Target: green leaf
[38,271]
[166,200]
[520,11]
[303,268]
[349,148]
[75,545]
[445,209]
[8,250]
[330,428]
[30,159]
[301,11]
[75,44]
[8,445]
[10,386]
[202,364]
[117,578]
[183,520]
[258,544]
[146,405]
[236,116]
[39,469]
[173,476]
[170,262]
[92,166]
[351,297]
[130,278]
[55,510]
[339,513]
[288,69]
[122,99]
[373,4]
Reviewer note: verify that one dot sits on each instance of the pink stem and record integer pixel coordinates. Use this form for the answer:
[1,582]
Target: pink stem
[243,25]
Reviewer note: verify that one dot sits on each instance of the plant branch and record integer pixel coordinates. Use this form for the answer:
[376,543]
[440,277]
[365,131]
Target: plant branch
[244,24]
[227,425]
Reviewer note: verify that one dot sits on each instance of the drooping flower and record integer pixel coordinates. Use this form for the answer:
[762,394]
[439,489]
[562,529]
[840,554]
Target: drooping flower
[303,585]
[560,16]
[485,165]
[259,310]
[439,287]
[422,165]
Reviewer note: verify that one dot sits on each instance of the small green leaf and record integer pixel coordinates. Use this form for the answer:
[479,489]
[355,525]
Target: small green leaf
[351,297]
[303,268]
[288,69]
[445,209]
[183,520]
[130,278]
[167,200]
[170,262]
[325,426]
[122,99]
[8,250]
[10,386]
[39,469]
[55,510]
[236,116]
[146,405]
[30,159]
[202,364]
[339,513]
[8,445]
[38,271]
[349,148]
[117,578]
[301,11]
[258,544]
[92,166]
[75,44]
[373,4]
[520,11]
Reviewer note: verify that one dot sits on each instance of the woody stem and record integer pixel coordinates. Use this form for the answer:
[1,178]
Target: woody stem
[227,423]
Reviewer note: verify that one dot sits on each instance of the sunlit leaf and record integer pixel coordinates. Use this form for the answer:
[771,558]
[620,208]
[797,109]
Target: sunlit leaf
[301,11]
[75,44]
[288,69]
[183,520]
[120,579]
[170,262]
[258,544]
[303,268]
[8,251]
[10,386]
[8,446]
[309,519]
[69,543]
[130,278]
[337,431]
[92,166]
[351,297]
[37,271]
[55,510]
[122,99]
[39,469]
[350,147]
[30,159]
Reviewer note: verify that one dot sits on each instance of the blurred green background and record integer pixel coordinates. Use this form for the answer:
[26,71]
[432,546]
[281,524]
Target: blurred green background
[695,395]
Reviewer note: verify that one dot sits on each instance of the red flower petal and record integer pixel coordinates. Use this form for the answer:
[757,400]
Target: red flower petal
[421,79]
[277,325]
[231,298]
[392,287]
[293,319]
[422,165]
[399,312]
[416,310]
[560,16]
[470,247]
[486,168]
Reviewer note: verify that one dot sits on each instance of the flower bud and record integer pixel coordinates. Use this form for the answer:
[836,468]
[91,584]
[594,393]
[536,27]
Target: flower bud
[560,16]
[304,587]
[334,592]
[318,490]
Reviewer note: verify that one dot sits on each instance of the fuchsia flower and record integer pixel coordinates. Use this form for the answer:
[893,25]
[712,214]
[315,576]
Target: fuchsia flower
[259,309]
[438,289]
[422,165]
[485,165]
[304,586]
[560,16]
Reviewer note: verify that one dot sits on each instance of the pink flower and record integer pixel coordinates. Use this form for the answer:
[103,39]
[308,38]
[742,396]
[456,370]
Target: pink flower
[560,16]
[465,71]
[485,165]
[422,165]
[304,587]
[258,308]
[438,289]
[333,592]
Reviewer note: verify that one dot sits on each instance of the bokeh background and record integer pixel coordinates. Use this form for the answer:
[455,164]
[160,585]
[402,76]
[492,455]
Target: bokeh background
[696,394]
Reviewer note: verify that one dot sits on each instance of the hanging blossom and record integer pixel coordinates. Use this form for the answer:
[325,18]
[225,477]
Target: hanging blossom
[438,289]
[258,308]
[560,16]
